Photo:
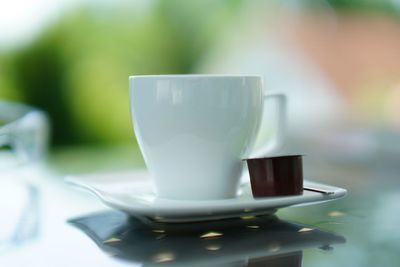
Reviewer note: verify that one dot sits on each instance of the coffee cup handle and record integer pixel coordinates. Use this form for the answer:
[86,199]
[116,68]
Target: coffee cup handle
[276,142]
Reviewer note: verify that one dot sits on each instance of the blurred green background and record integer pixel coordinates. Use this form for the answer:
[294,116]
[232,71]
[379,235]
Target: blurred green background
[76,67]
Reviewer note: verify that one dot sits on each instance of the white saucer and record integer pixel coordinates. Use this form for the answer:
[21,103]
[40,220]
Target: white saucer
[132,192]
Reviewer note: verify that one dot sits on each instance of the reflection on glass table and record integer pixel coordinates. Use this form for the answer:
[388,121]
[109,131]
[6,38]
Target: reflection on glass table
[248,241]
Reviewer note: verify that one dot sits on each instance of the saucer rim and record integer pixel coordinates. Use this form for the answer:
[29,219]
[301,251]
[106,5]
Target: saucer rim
[171,210]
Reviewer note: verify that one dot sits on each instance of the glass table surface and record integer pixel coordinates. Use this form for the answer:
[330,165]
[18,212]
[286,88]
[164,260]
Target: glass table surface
[46,223]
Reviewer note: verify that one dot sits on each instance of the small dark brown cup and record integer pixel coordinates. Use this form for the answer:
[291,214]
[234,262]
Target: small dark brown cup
[276,176]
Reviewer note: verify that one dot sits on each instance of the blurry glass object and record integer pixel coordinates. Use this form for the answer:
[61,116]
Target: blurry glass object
[20,221]
[24,133]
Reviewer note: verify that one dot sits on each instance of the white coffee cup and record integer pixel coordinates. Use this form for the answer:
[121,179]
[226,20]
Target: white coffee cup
[194,131]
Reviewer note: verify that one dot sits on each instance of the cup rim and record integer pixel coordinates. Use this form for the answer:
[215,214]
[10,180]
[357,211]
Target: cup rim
[185,76]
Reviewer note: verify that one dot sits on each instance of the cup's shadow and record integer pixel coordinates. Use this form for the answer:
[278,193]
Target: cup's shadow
[247,241]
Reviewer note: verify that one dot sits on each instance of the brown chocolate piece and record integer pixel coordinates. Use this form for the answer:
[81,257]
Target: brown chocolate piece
[276,176]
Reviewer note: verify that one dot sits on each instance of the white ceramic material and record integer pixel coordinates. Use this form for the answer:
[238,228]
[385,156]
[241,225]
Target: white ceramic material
[194,131]
[132,192]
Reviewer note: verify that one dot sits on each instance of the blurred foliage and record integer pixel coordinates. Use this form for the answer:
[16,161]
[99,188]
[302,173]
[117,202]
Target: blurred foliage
[78,69]
[390,7]
[364,5]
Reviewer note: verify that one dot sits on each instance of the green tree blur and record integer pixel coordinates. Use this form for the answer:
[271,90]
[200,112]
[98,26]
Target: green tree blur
[77,70]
